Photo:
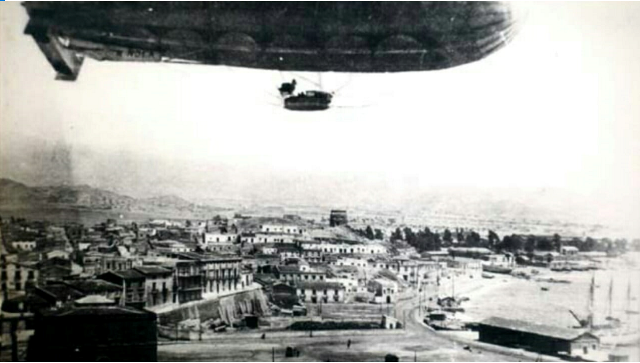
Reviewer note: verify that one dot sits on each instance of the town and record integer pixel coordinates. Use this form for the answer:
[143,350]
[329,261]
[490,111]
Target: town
[123,290]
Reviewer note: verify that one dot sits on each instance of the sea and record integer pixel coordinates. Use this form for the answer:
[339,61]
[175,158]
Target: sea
[617,291]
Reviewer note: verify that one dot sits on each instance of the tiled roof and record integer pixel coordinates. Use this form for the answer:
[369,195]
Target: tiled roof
[93,286]
[319,285]
[152,270]
[128,274]
[96,310]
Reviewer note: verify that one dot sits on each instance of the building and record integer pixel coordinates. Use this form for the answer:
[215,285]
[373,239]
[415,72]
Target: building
[286,251]
[96,263]
[338,218]
[320,292]
[132,283]
[188,281]
[158,285]
[350,261]
[17,276]
[313,255]
[171,246]
[267,238]
[219,274]
[24,245]
[470,252]
[94,330]
[569,250]
[297,273]
[219,237]
[538,338]
[346,248]
[384,291]
[97,287]
[282,228]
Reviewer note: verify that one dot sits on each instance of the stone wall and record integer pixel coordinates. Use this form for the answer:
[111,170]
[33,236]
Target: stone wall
[227,308]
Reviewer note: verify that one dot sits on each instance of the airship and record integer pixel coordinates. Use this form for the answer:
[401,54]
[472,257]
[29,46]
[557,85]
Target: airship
[355,37]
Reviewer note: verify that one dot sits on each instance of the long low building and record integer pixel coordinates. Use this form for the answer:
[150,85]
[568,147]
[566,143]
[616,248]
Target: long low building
[538,338]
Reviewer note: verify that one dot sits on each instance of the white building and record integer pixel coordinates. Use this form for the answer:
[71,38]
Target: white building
[267,238]
[219,238]
[343,248]
[24,245]
[282,228]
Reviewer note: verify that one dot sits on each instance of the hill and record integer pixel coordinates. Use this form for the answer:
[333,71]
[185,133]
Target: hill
[20,196]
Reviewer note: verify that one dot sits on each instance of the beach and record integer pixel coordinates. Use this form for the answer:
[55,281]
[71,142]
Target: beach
[511,297]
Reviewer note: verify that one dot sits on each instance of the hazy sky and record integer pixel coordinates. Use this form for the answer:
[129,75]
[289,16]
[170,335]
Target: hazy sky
[557,108]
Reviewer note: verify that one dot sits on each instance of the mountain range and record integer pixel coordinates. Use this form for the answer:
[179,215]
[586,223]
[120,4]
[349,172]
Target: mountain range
[14,194]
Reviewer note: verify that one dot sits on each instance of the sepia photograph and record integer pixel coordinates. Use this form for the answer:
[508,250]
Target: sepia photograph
[230,181]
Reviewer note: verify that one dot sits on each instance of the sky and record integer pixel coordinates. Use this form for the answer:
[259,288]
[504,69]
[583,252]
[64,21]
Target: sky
[556,109]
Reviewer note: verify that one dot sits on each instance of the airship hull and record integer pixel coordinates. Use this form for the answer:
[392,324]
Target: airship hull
[295,36]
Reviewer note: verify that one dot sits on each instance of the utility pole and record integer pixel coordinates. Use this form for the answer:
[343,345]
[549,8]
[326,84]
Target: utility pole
[273,354]
[404,320]
[14,340]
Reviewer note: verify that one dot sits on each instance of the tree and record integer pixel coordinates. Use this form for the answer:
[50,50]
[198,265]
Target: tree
[557,242]
[447,237]
[437,242]
[473,239]
[378,234]
[493,238]
[409,236]
[590,244]
[369,233]
[396,235]
[544,244]
[530,244]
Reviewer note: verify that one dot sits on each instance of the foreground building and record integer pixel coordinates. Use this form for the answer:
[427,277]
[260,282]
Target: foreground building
[94,330]
[538,338]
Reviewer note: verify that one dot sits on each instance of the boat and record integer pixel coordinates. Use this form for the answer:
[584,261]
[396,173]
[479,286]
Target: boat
[496,269]
[487,276]
[544,288]
[613,331]
[441,320]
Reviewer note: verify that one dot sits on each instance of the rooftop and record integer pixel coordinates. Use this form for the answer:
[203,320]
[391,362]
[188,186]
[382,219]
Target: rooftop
[92,311]
[152,270]
[94,300]
[319,285]
[128,274]
[93,286]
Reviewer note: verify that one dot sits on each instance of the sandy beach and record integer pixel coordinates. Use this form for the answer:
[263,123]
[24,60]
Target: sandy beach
[525,299]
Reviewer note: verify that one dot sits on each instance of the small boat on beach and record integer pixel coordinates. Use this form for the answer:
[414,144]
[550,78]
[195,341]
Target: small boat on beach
[497,269]
[487,276]
[544,288]
[442,320]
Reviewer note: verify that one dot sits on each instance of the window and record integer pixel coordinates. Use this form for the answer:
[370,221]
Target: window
[153,286]
[4,275]
[30,275]
[18,275]
[325,291]
[18,286]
